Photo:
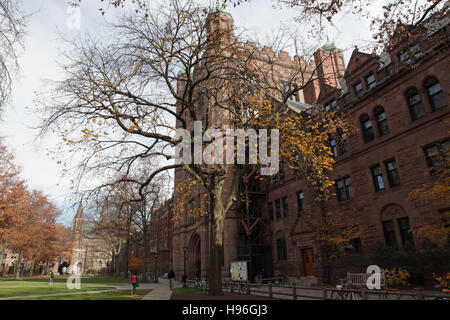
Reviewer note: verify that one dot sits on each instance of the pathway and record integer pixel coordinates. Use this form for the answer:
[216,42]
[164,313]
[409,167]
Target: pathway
[160,290]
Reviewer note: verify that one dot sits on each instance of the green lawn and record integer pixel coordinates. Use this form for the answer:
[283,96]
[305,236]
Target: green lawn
[85,279]
[28,288]
[31,286]
[186,290]
[114,295]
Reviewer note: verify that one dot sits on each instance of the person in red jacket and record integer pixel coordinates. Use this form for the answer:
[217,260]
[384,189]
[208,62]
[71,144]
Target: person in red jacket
[134,280]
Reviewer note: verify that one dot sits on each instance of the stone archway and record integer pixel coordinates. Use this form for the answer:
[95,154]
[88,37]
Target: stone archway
[194,258]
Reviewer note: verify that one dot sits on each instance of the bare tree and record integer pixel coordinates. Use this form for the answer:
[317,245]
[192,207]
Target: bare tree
[121,103]
[12,31]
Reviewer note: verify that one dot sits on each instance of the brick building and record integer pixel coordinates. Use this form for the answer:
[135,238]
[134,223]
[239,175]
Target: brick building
[88,255]
[399,101]
[159,246]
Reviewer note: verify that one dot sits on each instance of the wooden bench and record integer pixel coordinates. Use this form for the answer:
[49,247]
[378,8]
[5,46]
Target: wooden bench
[359,280]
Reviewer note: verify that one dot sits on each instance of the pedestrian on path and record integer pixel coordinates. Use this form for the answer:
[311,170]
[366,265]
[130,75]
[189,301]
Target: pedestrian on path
[134,280]
[171,276]
[52,277]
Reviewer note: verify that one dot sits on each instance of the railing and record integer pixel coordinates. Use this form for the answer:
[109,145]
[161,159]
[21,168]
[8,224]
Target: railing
[294,292]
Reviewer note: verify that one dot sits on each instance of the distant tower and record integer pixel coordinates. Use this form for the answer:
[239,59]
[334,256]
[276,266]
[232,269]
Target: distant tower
[330,64]
[78,225]
[221,23]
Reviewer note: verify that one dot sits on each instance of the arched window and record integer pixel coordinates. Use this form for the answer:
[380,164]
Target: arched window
[380,118]
[415,104]
[366,125]
[435,94]
[99,263]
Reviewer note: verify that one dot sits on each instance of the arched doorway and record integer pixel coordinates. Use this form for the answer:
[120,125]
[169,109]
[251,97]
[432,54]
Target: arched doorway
[194,257]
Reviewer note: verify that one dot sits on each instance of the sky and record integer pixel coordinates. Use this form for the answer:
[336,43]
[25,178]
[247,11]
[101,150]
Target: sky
[51,20]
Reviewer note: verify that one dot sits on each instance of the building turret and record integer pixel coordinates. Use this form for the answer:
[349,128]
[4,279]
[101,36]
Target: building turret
[330,64]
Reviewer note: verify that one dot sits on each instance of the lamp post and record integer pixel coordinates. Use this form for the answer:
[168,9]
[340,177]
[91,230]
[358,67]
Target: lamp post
[184,275]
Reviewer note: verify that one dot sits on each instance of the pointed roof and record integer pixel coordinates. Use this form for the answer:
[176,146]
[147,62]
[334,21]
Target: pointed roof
[357,59]
[220,9]
[79,211]
[330,45]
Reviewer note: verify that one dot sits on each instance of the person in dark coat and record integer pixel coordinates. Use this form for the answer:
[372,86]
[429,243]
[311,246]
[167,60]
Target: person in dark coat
[171,276]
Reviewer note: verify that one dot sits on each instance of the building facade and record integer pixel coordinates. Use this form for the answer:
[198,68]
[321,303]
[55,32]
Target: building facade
[89,255]
[399,103]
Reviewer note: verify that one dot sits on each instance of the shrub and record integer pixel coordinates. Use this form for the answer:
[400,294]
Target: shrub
[396,277]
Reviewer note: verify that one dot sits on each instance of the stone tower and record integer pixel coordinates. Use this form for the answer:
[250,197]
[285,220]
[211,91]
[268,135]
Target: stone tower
[220,24]
[78,224]
[330,64]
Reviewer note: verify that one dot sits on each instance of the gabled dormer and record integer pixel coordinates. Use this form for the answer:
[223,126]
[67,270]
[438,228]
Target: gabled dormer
[361,73]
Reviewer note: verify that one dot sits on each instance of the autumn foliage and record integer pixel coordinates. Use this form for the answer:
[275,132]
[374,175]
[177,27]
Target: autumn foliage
[28,224]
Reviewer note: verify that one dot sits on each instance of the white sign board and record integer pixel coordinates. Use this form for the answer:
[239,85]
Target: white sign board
[238,270]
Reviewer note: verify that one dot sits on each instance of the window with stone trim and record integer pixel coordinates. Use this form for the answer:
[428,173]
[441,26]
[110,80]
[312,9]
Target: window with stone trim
[343,145]
[367,128]
[278,209]
[415,105]
[392,173]
[389,233]
[370,81]
[344,189]
[405,232]
[358,88]
[281,249]
[333,147]
[377,176]
[270,210]
[356,246]
[381,120]
[300,201]
[285,202]
[434,92]
[437,156]
[331,105]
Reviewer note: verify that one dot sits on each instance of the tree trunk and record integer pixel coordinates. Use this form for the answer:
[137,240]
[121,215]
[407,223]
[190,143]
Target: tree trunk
[112,267]
[32,265]
[145,247]
[215,265]
[19,265]
[127,245]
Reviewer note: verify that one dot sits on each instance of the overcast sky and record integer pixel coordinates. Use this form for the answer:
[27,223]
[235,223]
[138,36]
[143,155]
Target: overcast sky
[40,61]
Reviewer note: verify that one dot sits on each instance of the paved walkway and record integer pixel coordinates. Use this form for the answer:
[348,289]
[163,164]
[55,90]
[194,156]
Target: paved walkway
[160,290]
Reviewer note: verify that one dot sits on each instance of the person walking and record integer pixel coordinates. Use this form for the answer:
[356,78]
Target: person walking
[171,276]
[52,278]
[134,280]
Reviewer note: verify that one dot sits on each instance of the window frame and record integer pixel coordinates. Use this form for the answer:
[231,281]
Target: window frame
[389,235]
[405,234]
[430,96]
[301,201]
[277,209]
[378,111]
[358,93]
[270,211]
[347,188]
[409,94]
[285,206]
[389,171]
[368,132]
[373,83]
[375,178]
[281,249]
